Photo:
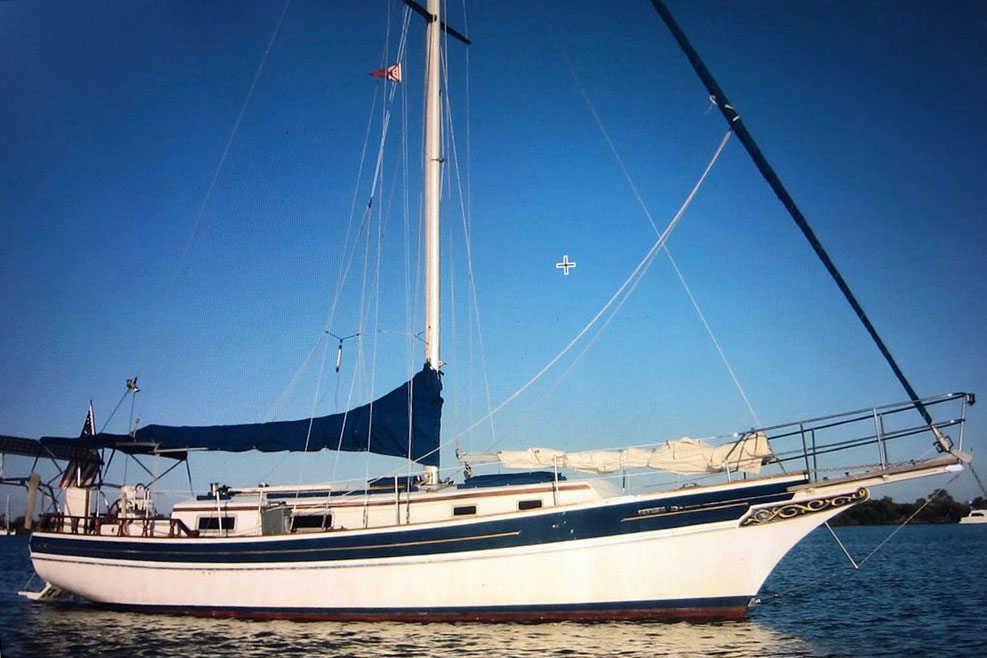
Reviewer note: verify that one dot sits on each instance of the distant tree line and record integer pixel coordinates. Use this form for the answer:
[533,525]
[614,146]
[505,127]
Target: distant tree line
[941,509]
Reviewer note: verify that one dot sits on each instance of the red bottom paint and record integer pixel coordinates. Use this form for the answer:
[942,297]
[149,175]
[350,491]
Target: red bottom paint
[697,614]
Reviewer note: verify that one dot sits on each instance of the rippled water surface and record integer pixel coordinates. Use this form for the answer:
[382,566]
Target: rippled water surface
[925,594]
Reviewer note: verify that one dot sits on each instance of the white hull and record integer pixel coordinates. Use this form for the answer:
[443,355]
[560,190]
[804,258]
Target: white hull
[711,570]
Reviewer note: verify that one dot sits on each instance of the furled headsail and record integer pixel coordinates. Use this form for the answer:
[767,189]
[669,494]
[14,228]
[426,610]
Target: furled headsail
[402,423]
[686,457]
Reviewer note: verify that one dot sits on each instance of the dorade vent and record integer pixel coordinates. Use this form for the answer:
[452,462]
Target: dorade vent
[528,504]
[212,522]
[311,522]
[464,510]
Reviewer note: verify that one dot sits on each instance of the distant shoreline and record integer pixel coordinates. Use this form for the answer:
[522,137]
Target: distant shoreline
[942,509]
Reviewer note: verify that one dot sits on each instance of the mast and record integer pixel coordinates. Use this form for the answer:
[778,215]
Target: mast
[433,179]
[433,184]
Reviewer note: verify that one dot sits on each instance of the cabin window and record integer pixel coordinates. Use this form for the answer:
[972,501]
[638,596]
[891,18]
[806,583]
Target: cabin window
[212,522]
[464,510]
[528,504]
[310,521]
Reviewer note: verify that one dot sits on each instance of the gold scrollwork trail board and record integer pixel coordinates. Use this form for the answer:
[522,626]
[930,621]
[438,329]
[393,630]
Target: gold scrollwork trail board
[792,510]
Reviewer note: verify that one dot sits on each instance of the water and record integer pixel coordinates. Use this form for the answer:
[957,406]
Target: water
[923,595]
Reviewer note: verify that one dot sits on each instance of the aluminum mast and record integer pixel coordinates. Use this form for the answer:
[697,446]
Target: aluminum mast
[433,180]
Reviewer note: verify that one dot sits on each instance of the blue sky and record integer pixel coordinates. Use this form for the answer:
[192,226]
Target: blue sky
[116,116]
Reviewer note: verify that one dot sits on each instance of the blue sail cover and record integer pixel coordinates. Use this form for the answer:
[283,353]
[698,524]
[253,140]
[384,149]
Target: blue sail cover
[70,451]
[380,427]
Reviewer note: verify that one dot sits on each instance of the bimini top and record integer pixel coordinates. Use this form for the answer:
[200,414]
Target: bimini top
[402,423]
[71,450]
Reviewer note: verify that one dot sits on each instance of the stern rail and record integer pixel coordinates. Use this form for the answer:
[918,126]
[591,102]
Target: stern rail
[113,525]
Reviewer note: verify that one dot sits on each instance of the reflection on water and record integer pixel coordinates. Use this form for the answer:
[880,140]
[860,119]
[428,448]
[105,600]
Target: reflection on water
[118,634]
[923,595]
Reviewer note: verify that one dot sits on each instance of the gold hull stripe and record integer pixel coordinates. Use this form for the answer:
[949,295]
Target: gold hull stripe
[643,517]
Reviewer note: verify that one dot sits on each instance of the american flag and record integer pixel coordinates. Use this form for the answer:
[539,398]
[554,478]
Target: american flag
[392,72]
[82,474]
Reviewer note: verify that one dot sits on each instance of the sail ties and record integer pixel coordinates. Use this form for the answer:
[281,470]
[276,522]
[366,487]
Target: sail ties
[685,456]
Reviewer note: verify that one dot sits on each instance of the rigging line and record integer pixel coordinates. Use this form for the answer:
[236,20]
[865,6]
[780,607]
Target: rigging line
[381,223]
[387,102]
[592,342]
[716,343]
[346,262]
[581,354]
[599,333]
[345,265]
[423,164]
[358,368]
[315,396]
[471,374]
[417,296]
[643,264]
[468,240]
[454,333]
[409,283]
[527,413]
[298,374]
[908,520]
[386,120]
[469,132]
[343,274]
[373,359]
[408,308]
[733,120]
[977,478]
[362,313]
[468,219]
[606,135]
[406,218]
[269,416]
[169,291]
[110,417]
[647,214]
[858,565]
[377,175]
[133,402]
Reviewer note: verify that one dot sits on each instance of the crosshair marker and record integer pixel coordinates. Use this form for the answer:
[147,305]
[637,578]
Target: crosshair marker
[565,265]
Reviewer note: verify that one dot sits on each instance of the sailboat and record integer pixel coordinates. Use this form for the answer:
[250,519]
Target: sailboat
[975,516]
[533,542]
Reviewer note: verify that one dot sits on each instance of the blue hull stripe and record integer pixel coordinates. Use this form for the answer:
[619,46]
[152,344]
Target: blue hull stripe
[526,530]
